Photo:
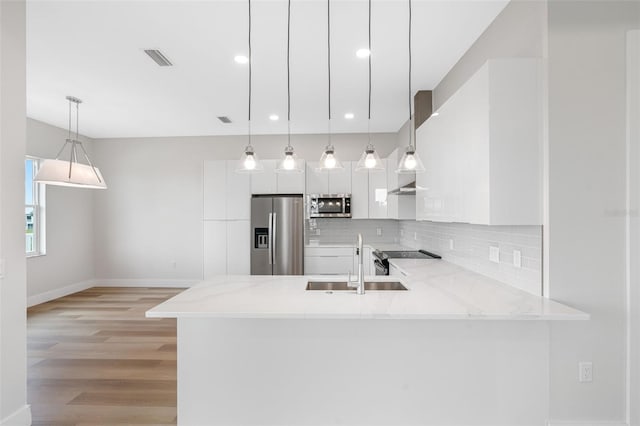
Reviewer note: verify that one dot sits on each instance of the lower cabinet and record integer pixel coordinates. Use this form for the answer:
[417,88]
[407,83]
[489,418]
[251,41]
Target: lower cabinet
[223,240]
[336,261]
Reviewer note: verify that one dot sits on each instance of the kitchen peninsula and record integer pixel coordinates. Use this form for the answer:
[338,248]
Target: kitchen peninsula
[456,348]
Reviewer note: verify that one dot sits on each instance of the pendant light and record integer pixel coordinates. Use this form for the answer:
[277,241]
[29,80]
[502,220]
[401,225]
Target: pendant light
[290,162]
[249,161]
[328,160]
[71,173]
[370,160]
[410,161]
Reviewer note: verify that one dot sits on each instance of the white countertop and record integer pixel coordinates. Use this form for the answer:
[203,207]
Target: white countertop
[436,290]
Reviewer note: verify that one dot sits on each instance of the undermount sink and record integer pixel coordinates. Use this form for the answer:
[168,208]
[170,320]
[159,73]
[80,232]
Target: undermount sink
[368,286]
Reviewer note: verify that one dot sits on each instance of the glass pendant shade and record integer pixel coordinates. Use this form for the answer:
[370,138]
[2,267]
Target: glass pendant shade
[290,162]
[410,162]
[70,173]
[370,160]
[249,162]
[329,161]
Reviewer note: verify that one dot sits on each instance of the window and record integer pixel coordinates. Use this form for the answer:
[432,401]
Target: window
[34,210]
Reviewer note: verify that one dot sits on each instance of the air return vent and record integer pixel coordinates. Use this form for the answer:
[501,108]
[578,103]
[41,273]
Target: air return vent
[224,119]
[158,57]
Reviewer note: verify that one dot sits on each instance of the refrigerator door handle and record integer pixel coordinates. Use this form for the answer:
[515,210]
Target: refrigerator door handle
[270,240]
[273,239]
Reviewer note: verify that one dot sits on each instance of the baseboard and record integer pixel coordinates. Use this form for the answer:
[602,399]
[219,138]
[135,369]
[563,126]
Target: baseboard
[59,292]
[583,423]
[142,282]
[21,417]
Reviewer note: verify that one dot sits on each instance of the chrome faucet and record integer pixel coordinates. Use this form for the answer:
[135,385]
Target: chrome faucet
[360,282]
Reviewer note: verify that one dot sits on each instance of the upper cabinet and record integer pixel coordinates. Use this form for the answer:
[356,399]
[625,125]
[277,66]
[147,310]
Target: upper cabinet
[270,182]
[399,206]
[328,182]
[368,193]
[483,152]
[226,194]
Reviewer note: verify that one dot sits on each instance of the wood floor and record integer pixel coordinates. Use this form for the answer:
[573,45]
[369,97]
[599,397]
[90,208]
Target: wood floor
[94,359]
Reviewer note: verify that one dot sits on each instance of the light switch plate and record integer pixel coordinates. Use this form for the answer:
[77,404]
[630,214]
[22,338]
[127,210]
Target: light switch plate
[517,259]
[494,254]
[585,372]
[452,245]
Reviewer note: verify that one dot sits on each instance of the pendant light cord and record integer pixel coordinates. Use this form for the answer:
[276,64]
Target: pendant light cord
[288,74]
[369,114]
[410,110]
[250,61]
[329,58]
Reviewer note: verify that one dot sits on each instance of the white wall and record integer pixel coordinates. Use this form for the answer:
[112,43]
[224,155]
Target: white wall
[148,223]
[68,264]
[13,357]
[587,201]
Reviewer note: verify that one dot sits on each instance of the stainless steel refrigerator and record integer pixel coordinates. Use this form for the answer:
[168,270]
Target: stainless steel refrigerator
[277,235]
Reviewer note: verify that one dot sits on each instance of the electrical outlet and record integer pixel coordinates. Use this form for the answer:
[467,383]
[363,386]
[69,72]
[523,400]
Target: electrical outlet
[174,264]
[415,236]
[379,232]
[585,372]
[402,232]
[317,231]
[451,244]
[494,254]
[2,263]
[517,259]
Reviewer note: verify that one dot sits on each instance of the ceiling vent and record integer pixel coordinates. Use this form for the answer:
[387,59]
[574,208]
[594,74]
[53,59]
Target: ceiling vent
[224,119]
[158,57]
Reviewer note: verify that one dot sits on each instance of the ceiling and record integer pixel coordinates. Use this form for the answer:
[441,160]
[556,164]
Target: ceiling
[94,50]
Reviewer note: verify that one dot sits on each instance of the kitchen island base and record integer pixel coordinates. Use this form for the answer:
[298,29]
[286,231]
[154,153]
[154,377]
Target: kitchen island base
[361,372]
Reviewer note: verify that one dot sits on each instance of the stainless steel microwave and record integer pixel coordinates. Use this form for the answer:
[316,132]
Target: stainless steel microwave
[329,205]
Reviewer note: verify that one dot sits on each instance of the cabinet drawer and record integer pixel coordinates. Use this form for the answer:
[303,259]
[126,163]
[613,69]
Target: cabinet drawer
[328,251]
[328,265]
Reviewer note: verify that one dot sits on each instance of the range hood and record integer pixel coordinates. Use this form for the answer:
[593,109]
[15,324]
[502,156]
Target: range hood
[408,189]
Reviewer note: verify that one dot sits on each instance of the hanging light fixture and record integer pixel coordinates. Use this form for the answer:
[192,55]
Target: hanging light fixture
[370,160]
[290,162]
[410,161]
[71,173]
[249,161]
[328,160]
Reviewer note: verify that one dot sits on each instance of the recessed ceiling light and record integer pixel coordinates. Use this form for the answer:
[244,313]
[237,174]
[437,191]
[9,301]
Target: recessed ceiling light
[241,59]
[274,117]
[435,114]
[349,116]
[363,53]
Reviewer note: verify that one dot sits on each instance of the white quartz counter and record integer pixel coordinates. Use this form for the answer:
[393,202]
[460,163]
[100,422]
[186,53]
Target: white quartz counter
[436,290]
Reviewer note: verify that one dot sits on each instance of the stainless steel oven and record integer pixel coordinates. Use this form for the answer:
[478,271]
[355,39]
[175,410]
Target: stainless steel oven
[329,205]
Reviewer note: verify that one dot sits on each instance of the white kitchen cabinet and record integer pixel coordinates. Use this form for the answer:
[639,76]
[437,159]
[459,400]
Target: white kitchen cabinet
[238,193]
[367,262]
[328,260]
[238,247]
[317,181]
[359,193]
[270,182]
[291,183]
[399,206]
[215,248]
[265,182]
[483,151]
[214,189]
[378,193]
[340,179]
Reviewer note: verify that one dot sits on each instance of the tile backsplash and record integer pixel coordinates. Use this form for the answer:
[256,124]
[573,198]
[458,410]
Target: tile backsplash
[341,231]
[469,246]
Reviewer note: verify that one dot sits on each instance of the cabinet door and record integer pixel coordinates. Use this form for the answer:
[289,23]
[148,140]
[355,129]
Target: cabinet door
[316,182]
[328,265]
[238,193]
[378,193]
[265,182]
[214,190]
[238,247]
[215,248]
[359,193]
[340,180]
[392,183]
[290,183]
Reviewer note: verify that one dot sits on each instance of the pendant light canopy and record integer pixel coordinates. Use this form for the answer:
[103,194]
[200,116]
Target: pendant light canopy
[290,162]
[328,160]
[370,160]
[410,161]
[71,173]
[249,161]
